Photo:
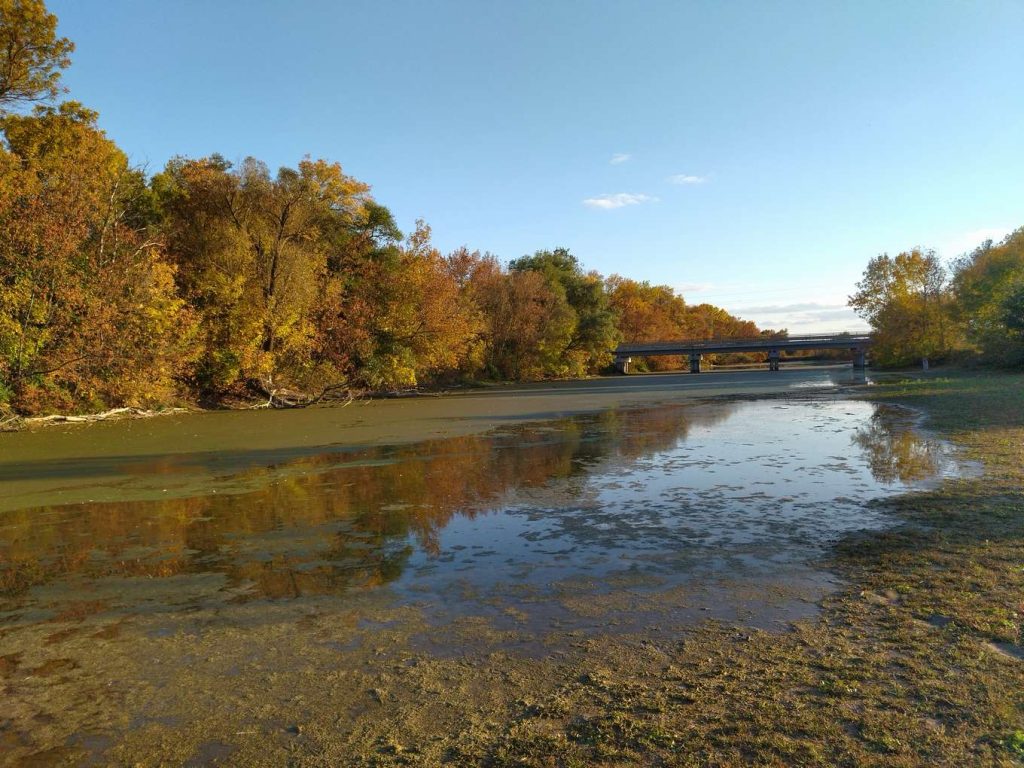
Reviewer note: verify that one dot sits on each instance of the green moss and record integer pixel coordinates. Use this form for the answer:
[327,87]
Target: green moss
[1015,743]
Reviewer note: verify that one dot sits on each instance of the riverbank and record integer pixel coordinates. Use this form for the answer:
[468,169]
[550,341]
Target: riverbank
[13,422]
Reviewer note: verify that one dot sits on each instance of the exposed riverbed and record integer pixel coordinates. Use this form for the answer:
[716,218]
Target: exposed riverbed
[292,586]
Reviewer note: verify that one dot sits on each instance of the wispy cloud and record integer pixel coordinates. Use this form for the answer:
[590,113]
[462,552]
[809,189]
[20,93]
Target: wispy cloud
[688,288]
[620,157]
[965,242]
[686,178]
[804,306]
[619,200]
[802,317]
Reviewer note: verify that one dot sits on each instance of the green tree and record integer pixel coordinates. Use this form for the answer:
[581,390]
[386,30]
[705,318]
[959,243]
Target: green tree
[989,286]
[31,54]
[1013,311]
[594,334]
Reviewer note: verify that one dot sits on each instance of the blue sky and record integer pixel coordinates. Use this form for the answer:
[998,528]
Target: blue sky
[750,154]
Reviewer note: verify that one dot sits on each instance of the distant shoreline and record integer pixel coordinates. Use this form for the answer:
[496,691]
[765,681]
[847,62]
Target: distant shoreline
[17,423]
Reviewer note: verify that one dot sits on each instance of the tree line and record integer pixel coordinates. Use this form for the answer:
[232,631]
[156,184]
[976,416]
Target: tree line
[970,310]
[209,280]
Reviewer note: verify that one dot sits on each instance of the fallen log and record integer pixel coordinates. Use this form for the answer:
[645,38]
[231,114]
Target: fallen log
[16,423]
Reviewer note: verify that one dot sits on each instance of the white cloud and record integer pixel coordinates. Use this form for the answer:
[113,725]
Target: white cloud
[965,242]
[688,288]
[620,157]
[804,306]
[686,178]
[802,317]
[619,200]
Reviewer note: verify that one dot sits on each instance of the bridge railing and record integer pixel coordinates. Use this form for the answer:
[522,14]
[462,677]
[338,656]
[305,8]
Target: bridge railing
[806,341]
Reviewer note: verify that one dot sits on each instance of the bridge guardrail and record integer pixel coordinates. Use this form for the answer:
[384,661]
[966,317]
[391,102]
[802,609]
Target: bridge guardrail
[804,341]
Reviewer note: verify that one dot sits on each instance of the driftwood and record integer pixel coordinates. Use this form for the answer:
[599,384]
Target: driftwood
[15,423]
[409,392]
[287,398]
[11,423]
[275,398]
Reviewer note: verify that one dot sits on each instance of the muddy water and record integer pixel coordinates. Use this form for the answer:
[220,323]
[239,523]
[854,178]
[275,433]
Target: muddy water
[113,614]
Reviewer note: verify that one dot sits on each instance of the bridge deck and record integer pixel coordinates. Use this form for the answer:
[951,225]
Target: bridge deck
[853,341]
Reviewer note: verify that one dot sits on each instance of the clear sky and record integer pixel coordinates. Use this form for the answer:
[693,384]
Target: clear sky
[750,154]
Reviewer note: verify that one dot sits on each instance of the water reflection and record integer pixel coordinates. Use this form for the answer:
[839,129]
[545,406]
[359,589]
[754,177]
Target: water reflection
[897,453]
[671,493]
[347,525]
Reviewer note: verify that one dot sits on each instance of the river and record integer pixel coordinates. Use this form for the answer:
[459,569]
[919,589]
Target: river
[257,557]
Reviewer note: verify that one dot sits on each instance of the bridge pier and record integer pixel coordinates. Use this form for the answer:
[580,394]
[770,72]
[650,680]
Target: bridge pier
[773,346]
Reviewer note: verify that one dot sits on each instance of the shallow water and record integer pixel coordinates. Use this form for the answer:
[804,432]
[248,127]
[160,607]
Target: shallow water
[722,500]
[193,454]
[164,627]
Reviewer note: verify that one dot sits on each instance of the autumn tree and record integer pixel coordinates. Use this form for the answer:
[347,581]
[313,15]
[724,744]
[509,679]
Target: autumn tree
[253,252]
[594,334]
[407,309]
[302,281]
[906,300]
[989,288]
[88,311]
[31,54]
[476,274]
[646,312]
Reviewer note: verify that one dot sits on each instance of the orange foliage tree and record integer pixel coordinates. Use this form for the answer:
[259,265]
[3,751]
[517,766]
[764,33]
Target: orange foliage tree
[208,280]
[89,316]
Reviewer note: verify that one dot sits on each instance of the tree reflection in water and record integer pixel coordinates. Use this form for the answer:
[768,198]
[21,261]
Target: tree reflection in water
[323,528]
[895,451]
[337,522]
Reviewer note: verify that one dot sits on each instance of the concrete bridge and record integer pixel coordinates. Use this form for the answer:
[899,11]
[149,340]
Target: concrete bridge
[773,347]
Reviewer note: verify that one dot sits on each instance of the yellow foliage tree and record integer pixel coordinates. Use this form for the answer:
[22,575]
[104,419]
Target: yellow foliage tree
[89,315]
